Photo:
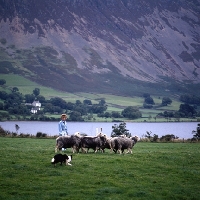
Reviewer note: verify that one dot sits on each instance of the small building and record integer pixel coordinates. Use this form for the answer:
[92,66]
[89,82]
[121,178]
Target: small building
[34,110]
[36,106]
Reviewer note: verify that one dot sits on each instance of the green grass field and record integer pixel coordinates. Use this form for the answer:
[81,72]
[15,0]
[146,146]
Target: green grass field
[154,171]
[114,102]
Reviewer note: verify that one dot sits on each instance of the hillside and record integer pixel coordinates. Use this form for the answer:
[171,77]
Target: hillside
[105,46]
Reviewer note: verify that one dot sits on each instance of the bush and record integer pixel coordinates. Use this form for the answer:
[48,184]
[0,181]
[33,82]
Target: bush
[155,138]
[39,134]
[14,134]
[120,130]
[167,137]
[2,132]
[131,112]
[44,135]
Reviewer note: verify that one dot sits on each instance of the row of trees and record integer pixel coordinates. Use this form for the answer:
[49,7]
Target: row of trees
[129,112]
[186,98]
[185,111]
[190,99]
[149,102]
[121,129]
[16,104]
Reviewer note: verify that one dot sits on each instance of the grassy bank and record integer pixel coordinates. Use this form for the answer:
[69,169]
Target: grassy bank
[153,171]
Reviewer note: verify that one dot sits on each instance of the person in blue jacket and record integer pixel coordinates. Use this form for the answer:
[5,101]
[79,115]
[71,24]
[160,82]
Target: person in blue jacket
[62,125]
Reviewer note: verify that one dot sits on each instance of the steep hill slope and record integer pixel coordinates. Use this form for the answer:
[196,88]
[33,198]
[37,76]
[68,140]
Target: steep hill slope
[113,46]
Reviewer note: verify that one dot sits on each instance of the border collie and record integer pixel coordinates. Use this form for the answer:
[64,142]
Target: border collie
[62,159]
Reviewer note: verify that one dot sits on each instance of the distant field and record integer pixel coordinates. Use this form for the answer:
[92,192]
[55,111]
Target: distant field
[26,86]
[114,103]
[154,171]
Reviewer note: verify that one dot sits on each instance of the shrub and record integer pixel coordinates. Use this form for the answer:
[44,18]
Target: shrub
[167,137]
[44,135]
[2,132]
[39,134]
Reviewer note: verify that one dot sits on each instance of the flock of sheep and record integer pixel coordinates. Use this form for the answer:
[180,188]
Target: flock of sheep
[97,143]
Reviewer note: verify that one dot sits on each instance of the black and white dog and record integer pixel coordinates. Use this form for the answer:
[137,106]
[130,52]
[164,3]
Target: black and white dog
[62,159]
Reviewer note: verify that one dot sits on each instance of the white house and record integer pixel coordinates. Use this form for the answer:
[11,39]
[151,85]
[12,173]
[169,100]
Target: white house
[36,106]
[34,110]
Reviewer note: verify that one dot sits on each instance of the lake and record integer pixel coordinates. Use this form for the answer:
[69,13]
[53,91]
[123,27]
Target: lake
[180,129]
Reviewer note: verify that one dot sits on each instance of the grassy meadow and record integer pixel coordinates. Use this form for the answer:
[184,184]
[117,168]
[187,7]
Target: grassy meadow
[153,171]
[114,102]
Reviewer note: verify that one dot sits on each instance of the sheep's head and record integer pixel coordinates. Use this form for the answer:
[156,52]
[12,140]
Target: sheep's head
[135,138]
[77,134]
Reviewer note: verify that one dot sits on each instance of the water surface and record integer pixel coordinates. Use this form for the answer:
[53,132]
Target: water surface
[180,129]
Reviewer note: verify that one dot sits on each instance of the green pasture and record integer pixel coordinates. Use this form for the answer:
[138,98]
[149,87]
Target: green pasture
[114,103]
[154,171]
[114,99]
[26,86]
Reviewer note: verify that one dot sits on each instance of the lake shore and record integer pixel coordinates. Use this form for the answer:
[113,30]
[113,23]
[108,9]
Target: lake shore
[179,129]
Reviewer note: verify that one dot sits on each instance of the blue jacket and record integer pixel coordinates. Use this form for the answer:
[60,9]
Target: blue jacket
[62,127]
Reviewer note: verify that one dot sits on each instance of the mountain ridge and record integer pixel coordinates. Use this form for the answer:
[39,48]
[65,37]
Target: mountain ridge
[109,45]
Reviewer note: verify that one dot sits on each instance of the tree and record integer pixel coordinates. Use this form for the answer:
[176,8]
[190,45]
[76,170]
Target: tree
[186,110]
[29,98]
[107,115]
[96,108]
[168,114]
[15,89]
[115,114]
[2,82]
[15,98]
[87,102]
[18,110]
[36,91]
[120,130]
[102,102]
[69,105]
[1,106]
[57,101]
[131,112]
[148,135]
[196,134]
[166,101]
[81,109]
[3,95]
[78,102]
[75,116]
[190,99]
[51,108]
[41,99]
[149,100]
